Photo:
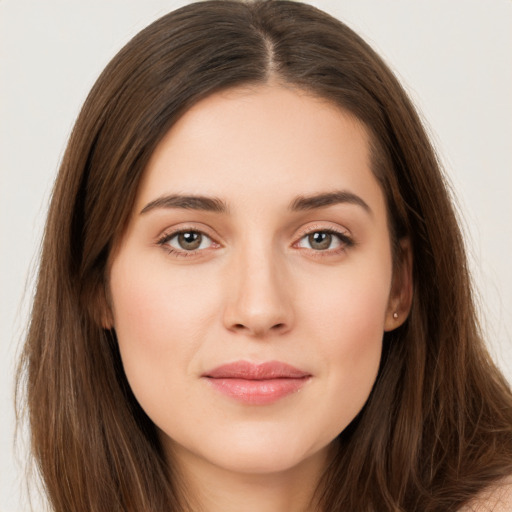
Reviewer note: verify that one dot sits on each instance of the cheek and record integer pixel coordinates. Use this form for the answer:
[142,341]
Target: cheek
[354,337]
[160,324]
[349,322]
[350,307]
[154,307]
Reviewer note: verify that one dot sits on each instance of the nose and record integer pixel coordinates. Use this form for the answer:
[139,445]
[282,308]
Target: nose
[259,297]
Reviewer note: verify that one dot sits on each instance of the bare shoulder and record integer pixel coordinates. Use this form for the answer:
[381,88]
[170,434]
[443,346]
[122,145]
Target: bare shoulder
[497,498]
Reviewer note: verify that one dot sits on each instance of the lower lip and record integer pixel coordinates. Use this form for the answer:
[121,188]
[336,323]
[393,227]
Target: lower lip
[258,392]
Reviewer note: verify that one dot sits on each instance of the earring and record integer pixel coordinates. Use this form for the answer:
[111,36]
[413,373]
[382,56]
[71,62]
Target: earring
[395,315]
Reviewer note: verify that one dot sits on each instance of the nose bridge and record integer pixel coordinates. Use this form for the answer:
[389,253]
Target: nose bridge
[259,301]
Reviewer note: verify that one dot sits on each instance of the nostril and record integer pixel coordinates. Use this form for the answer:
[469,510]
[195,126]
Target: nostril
[242,327]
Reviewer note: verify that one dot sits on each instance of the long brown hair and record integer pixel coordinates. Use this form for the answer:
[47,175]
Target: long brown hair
[437,427]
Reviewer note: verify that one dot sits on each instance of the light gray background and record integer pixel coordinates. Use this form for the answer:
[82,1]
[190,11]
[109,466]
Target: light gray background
[454,57]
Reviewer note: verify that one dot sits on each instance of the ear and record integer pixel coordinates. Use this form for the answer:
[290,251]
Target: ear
[104,306]
[100,305]
[106,317]
[400,298]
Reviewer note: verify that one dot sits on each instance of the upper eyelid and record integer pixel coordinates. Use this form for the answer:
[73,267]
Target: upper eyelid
[170,232]
[312,228]
[343,234]
[343,238]
[173,234]
[166,237]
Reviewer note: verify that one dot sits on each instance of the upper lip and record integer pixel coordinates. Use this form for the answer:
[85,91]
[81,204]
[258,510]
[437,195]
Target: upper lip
[256,371]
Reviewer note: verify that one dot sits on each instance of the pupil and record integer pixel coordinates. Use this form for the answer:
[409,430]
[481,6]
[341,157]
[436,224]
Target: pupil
[320,241]
[189,240]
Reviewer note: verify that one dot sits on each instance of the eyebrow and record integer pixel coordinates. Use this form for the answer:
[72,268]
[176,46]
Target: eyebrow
[323,200]
[216,205]
[188,202]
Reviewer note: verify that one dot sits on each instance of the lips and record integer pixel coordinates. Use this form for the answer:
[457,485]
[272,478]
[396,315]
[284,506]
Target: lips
[257,384]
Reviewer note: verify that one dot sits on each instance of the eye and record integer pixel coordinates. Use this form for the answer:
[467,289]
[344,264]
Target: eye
[324,240]
[187,241]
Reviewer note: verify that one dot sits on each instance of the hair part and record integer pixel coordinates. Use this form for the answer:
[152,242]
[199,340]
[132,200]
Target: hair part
[437,426]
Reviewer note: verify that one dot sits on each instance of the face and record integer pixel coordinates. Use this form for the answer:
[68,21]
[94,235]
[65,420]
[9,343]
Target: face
[254,282]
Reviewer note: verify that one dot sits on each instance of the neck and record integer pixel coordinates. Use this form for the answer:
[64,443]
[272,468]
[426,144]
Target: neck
[209,488]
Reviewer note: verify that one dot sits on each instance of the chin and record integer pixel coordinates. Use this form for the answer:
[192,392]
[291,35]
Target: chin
[257,453]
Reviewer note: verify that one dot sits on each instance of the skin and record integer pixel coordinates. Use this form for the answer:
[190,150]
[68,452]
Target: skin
[257,289]
[496,498]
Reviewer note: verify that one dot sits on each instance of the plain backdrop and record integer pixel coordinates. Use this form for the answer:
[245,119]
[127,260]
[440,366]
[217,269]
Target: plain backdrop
[454,58]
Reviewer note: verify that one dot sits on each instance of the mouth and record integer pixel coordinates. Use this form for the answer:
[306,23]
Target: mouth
[257,384]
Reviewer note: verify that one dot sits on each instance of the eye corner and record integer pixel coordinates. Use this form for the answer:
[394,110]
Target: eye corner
[341,238]
[196,246]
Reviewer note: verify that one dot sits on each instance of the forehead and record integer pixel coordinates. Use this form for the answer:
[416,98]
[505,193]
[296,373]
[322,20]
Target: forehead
[270,143]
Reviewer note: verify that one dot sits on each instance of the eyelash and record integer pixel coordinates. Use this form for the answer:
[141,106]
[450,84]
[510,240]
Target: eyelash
[167,237]
[346,242]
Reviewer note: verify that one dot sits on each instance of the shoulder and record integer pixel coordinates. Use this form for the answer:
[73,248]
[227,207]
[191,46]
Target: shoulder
[496,498]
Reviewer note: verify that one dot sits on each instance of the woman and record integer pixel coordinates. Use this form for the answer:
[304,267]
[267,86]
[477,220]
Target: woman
[253,291]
